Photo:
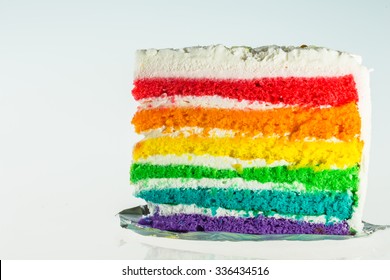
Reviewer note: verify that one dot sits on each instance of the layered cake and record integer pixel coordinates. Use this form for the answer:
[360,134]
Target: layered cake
[268,140]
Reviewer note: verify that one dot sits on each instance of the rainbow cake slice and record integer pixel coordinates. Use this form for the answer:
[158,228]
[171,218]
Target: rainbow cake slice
[268,140]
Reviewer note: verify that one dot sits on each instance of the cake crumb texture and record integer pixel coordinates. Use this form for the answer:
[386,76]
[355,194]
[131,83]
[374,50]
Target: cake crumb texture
[313,91]
[297,123]
[318,155]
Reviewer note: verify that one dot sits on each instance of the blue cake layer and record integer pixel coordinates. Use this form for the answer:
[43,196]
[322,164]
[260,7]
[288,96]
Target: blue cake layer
[330,204]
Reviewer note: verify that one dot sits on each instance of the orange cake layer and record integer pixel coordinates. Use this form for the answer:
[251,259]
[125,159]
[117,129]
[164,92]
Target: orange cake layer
[341,122]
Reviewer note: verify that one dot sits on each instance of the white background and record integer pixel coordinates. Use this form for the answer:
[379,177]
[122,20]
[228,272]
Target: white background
[65,109]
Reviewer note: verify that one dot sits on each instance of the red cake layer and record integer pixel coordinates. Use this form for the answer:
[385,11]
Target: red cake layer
[313,91]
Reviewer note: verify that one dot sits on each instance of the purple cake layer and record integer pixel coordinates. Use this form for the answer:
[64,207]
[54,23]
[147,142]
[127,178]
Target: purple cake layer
[258,225]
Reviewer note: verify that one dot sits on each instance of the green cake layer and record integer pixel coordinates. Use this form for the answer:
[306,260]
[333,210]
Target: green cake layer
[330,180]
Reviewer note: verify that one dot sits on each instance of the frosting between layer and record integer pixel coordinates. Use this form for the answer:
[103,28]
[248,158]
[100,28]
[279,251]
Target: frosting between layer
[236,183]
[168,210]
[212,101]
[218,162]
[221,133]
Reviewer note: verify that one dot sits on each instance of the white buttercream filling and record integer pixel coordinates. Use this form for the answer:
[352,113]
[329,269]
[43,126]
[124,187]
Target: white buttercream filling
[236,183]
[188,131]
[168,210]
[214,101]
[219,162]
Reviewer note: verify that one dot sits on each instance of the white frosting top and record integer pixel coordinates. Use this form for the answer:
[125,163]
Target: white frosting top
[218,61]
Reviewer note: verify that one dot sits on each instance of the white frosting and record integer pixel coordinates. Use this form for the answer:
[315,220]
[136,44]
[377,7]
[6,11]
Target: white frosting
[188,131]
[236,183]
[361,76]
[244,63]
[219,162]
[213,101]
[167,210]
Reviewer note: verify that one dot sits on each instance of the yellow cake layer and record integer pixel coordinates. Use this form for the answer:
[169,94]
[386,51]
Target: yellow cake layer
[317,154]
